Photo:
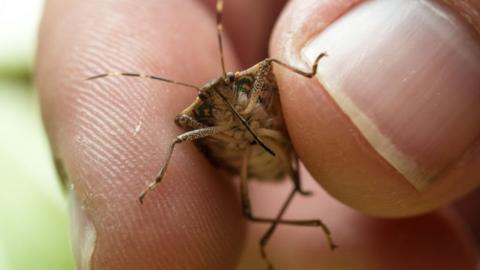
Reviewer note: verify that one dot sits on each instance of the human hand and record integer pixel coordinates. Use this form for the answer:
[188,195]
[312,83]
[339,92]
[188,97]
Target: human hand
[112,137]
[397,107]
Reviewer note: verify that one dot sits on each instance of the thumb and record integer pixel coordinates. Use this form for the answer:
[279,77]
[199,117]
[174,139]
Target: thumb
[390,123]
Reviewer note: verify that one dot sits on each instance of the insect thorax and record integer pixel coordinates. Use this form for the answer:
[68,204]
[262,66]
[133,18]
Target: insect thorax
[227,149]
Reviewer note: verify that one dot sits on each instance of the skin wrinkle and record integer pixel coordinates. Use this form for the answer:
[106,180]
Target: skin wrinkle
[172,195]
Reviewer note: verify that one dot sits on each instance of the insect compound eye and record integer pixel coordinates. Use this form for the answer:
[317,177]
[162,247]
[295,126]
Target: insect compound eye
[231,77]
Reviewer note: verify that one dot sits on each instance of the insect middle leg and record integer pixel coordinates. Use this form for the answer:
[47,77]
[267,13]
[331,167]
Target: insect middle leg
[187,136]
[247,212]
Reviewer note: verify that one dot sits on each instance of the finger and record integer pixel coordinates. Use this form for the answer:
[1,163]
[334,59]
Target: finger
[112,135]
[438,240]
[390,124]
[468,207]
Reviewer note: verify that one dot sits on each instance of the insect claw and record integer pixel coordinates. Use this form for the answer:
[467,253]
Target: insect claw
[152,185]
[305,192]
[141,197]
[331,244]
[143,194]
[323,54]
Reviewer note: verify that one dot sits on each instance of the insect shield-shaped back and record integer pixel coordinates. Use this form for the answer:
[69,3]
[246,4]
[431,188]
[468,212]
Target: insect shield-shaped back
[227,105]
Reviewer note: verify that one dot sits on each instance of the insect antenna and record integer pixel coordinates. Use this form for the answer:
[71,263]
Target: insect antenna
[245,124]
[219,8]
[145,76]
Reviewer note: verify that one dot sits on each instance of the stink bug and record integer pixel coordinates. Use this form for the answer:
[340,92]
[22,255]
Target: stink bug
[236,120]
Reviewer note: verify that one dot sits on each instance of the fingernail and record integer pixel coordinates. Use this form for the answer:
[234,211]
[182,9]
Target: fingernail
[407,74]
[83,233]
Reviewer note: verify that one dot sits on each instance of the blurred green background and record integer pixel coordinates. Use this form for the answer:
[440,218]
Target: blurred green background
[33,210]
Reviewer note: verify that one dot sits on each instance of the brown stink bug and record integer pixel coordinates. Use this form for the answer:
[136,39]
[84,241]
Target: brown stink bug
[236,120]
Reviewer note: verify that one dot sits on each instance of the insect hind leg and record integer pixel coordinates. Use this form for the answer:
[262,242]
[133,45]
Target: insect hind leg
[295,176]
[247,212]
[278,220]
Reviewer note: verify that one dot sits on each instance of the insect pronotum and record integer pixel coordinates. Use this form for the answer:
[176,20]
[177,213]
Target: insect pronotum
[236,121]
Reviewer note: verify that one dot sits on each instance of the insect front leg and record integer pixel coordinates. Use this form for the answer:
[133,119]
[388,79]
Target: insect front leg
[258,86]
[308,74]
[264,70]
[187,121]
[187,136]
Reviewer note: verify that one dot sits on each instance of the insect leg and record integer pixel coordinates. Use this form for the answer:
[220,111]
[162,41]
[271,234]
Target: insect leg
[187,136]
[262,73]
[295,175]
[219,9]
[144,76]
[247,212]
[187,121]
[308,74]
[273,226]
[245,199]
[265,69]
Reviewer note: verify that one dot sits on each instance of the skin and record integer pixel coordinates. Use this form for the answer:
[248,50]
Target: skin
[111,137]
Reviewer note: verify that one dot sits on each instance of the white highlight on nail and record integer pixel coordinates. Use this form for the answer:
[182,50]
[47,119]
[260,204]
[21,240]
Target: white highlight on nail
[404,72]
